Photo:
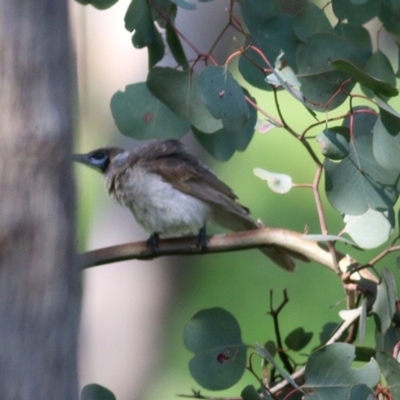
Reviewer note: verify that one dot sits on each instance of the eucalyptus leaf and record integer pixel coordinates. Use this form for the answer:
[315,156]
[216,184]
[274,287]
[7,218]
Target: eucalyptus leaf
[384,306]
[329,374]
[223,97]
[94,391]
[178,91]
[371,229]
[214,336]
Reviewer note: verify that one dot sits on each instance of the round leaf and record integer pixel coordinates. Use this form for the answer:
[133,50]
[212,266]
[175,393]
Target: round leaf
[214,336]
[356,12]
[223,97]
[370,229]
[332,144]
[96,392]
[178,91]
[279,183]
[138,114]
[298,339]
[329,374]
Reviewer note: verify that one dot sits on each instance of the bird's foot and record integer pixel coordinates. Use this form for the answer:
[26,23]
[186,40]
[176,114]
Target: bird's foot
[153,241]
[201,241]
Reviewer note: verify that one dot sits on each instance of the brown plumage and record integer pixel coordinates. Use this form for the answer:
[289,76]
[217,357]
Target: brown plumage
[171,193]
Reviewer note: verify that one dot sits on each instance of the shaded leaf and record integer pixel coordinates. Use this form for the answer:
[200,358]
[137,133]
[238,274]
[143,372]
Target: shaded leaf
[371,229]
[100,4]
[223,144]
[214,336]
[223,97]
[329,374]
[178,91]
[332,144]
[358,36]
[184,4]
[311,20]
[175,46]
[262,352]
[386,146]
[96,392]
[361,392]
[298,339]
[138,114]
[389,14]
[358,183]
[385,303]
[378,86]
[356,12]
[322,85]
[388,340]
[250,393]
[390,369]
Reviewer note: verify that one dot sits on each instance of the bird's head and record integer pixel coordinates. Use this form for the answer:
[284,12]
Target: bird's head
[102,159]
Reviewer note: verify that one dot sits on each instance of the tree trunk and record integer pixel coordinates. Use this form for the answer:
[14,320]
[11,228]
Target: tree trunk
[39,280]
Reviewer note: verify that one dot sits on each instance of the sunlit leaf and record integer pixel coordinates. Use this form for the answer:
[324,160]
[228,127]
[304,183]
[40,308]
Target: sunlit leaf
[329,374]
[371,229]
[390,369]
[279,183]
[332,144]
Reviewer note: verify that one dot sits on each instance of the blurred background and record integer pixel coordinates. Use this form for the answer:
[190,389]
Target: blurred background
[134,312]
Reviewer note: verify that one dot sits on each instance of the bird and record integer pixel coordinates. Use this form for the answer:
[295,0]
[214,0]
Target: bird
[171,193]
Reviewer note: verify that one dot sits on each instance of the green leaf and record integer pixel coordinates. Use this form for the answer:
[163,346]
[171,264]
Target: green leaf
[139,18]
[138,114]
[356,13]
[321,84]
[361,392]
[100,4]
[389,14]
[379,67]
[371,229]
[327,331]
[184,4]
[250,393]
[385,145]
[333,145]
[311,20]
[223,144]
[223,97]
[256,12]
[263,352]
[214,336]
[178,91]
[251,67]
[274,36]
[298,339]
[330,376]
[176,48]
[388,340]
[163,12]
[385,303]
[96,392]
[390,369]
[358,183]
[358,36]
[376,85]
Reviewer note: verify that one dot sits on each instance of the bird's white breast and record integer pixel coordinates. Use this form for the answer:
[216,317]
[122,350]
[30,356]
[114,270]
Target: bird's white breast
[157,205]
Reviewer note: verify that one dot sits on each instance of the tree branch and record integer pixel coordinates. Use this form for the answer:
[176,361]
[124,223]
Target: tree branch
[286,239]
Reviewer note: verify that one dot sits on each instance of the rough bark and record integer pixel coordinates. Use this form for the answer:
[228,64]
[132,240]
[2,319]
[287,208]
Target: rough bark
[39,282]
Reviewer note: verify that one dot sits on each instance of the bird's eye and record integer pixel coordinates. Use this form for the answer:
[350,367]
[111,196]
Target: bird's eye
[98,156]
[100,160]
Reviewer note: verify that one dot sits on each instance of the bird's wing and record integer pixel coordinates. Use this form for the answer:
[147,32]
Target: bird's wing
[188,175]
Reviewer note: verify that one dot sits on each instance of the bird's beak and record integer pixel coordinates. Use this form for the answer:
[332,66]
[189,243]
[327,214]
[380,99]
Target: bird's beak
[81,158]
